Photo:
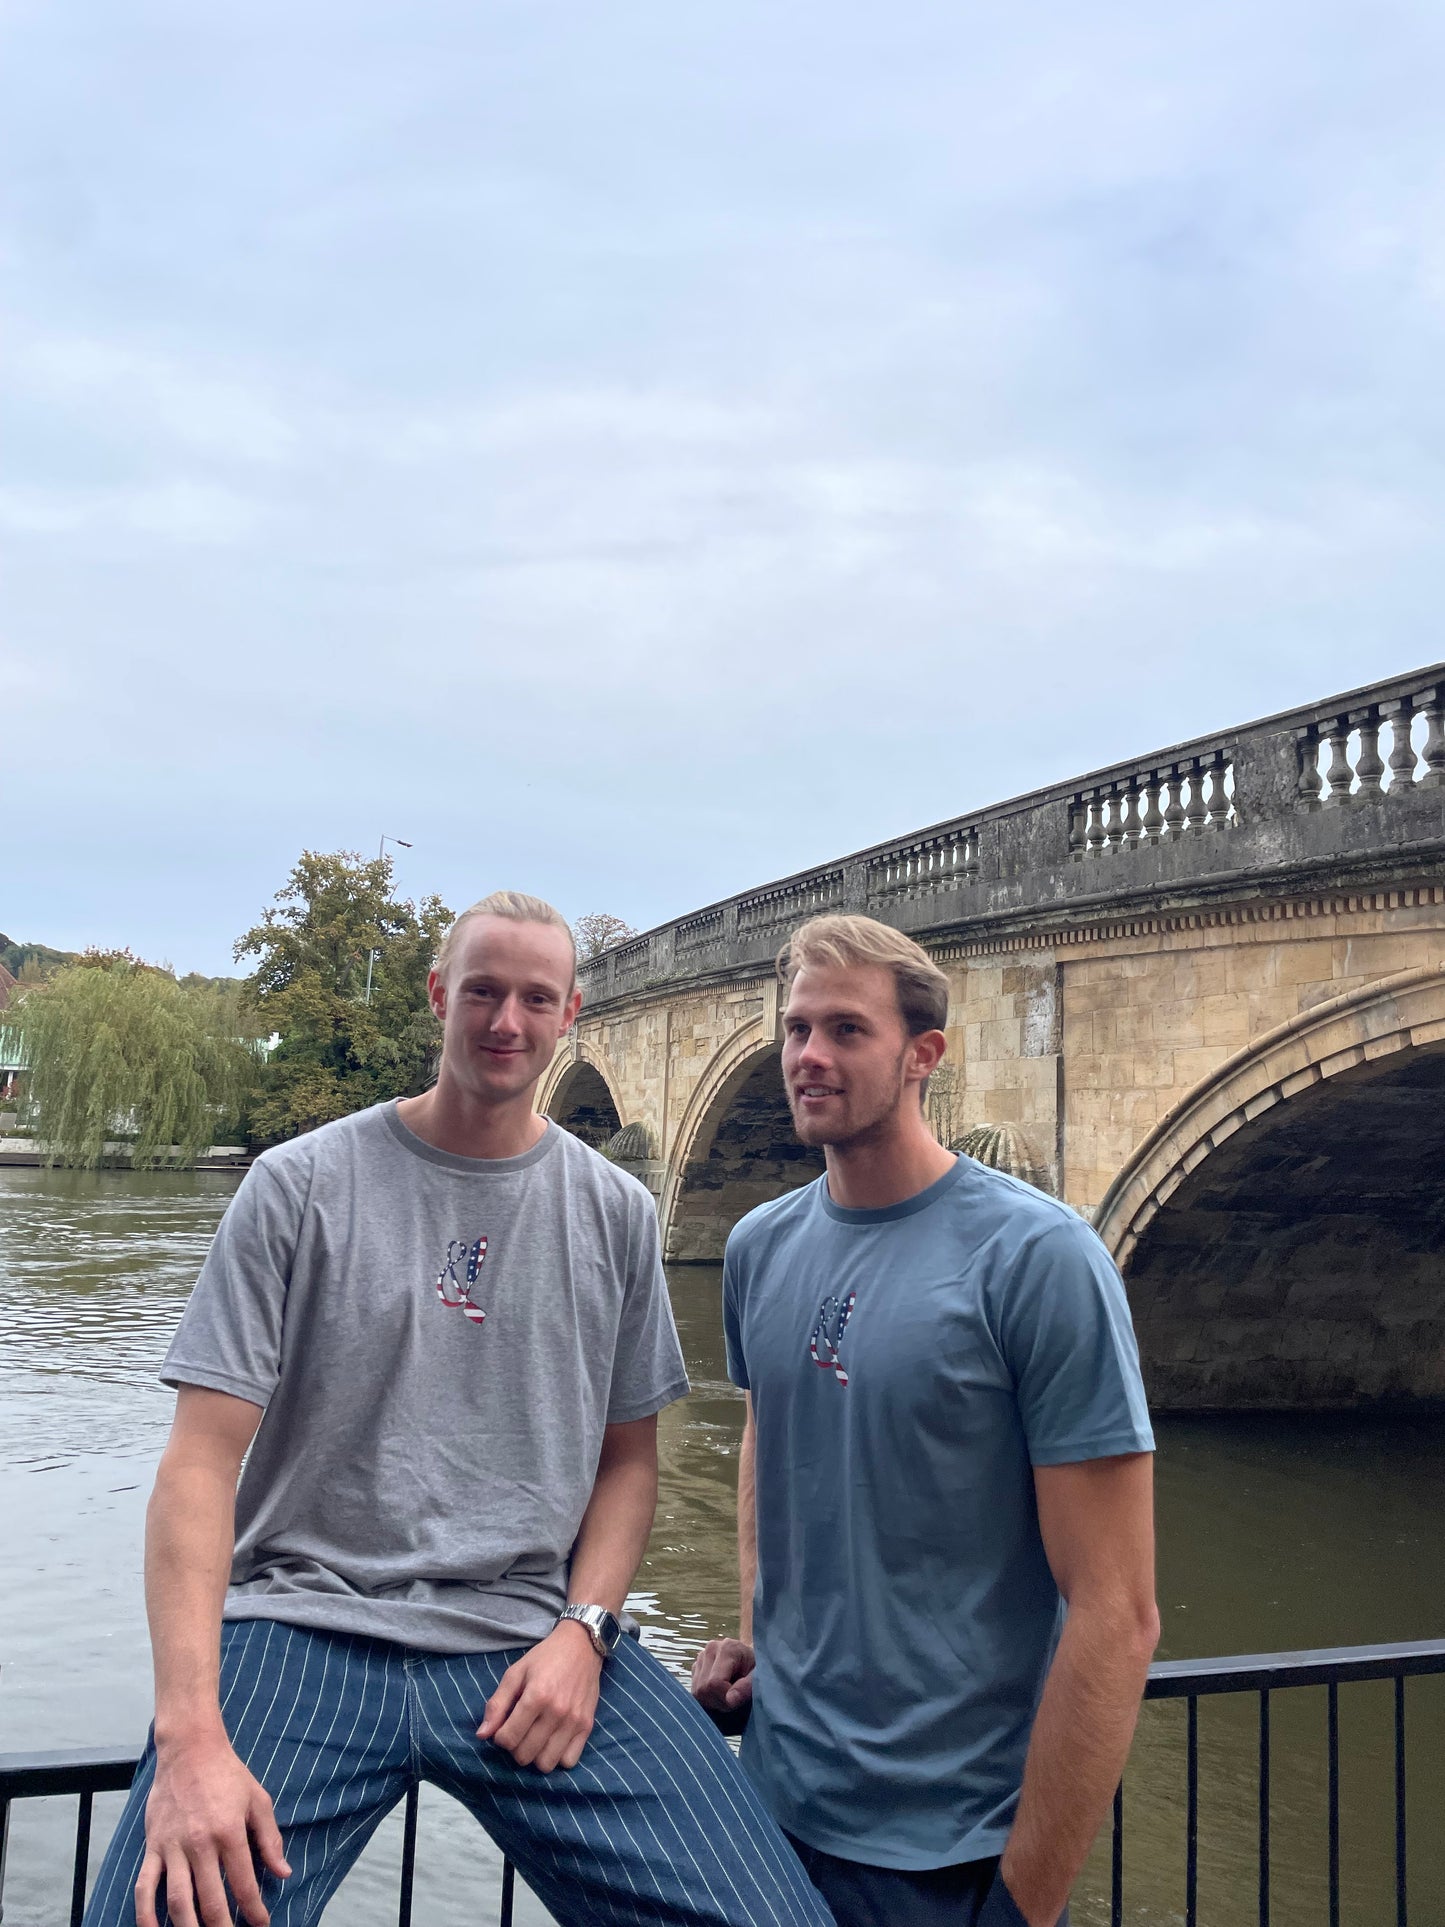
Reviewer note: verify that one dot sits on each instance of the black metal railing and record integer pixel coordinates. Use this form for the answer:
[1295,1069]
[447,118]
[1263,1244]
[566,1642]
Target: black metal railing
[1264,1675]
[29,1776]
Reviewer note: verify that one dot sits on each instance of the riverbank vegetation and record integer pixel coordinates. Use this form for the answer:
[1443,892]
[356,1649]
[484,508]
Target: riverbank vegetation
[119,1049]
[334,1016]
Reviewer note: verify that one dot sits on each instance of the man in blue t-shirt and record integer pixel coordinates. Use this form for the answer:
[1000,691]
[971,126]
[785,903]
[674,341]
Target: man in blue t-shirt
[945,1522]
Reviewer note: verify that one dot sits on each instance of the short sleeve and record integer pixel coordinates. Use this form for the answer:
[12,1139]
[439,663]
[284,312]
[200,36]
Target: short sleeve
[733,1319]
[1068,1341]
[229,1337]
[647,1370]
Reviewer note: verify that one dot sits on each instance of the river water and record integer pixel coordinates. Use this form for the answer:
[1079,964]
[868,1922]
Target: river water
[1273,1534]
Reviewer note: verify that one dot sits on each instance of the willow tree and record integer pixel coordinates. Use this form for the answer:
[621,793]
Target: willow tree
[122,1050]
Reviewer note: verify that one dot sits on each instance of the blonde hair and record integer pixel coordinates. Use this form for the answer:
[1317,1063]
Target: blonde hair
[843,943]
[516,907]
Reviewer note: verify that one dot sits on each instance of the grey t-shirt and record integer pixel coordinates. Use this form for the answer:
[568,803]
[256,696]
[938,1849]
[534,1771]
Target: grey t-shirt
[438,1342]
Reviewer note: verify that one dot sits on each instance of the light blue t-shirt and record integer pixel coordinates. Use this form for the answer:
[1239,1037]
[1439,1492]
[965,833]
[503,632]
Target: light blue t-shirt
[908,1368]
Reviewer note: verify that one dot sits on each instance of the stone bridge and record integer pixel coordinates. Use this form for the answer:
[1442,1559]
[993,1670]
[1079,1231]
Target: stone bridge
[1200,997]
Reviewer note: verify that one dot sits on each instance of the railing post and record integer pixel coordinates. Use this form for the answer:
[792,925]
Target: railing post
[1339,775]
[1369,764]
[1402,749]
[1433,752]
[1310,780]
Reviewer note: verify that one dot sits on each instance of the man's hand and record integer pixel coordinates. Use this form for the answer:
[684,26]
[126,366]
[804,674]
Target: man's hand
[722,1675]
[543,1708]
[202,1815]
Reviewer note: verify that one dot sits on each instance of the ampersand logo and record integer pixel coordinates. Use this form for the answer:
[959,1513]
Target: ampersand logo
[456,1291]
[825,1347]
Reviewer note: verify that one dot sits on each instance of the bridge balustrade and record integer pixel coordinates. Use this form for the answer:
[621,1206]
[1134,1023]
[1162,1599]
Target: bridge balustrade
[1210,816]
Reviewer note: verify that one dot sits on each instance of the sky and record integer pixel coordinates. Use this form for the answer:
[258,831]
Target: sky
[635,452]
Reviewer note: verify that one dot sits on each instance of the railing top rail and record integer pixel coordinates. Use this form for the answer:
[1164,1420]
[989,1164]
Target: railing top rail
[109,1769]
[1303,716]
[29,1776]
[1321,1666]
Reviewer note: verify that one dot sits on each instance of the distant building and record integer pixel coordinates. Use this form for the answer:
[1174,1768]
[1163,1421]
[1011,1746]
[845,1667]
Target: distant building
[11,1062]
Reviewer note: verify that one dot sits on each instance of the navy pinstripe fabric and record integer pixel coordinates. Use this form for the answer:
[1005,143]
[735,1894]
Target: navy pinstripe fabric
[656,1823]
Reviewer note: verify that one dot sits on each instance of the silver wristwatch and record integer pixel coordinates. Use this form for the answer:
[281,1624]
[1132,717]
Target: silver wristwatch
[604,1629]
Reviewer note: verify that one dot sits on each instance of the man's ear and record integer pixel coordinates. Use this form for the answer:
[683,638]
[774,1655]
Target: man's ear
[569,1012]
[436,995]
[926,1053]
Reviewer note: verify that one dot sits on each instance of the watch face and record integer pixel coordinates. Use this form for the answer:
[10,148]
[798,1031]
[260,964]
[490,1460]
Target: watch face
[609,1629]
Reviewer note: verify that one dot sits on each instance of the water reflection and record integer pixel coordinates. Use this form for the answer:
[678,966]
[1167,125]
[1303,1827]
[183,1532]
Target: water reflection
[1274,1534]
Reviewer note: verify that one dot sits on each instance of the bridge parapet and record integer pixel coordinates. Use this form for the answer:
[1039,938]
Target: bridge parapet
[1305,796]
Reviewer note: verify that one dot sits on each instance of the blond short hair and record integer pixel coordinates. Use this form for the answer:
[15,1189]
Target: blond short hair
[517,907]
[844,943]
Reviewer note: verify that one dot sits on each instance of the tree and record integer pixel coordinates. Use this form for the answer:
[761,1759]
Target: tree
[599,930]
[337,1051]
[122,1048]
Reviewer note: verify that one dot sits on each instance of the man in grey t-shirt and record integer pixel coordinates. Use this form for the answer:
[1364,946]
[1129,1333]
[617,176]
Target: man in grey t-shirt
[438,1336]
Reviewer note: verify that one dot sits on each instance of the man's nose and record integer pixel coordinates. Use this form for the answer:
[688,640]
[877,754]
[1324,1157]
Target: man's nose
[508,1019]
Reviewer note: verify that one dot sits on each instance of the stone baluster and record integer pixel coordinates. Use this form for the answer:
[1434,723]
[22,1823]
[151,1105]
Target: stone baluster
[1218,794]
[1174,812]
[1339,774]
[1433,752]
[1152,824]
[1113,817]
[1195,814]
[1310,780]
[970,859]
[1078,828]
[1096,832]
[1402,750]
[1369,764]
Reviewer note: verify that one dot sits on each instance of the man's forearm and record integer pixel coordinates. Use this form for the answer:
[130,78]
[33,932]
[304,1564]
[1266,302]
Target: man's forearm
[190,1532]
[747,1532]
[614,1531]
[1080,1742]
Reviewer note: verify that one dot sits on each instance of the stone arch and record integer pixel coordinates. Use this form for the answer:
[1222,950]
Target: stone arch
[579,1092]
[734,1148]
[1282,1231]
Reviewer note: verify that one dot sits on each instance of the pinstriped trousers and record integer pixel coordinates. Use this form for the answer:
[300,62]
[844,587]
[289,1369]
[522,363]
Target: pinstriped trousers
[657,1822]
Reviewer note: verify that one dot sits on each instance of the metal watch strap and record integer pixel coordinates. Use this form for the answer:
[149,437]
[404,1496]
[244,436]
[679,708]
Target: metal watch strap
[602,1627]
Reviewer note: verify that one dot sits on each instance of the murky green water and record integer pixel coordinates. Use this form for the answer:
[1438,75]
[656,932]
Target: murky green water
[1274,1534]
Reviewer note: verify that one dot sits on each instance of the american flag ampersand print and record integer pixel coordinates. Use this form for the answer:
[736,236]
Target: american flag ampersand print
[825,1346]
[456,1291]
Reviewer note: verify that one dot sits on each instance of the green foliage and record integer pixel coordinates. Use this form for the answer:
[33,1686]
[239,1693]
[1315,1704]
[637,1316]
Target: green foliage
[33,962]
[123,1049]
[337,1052]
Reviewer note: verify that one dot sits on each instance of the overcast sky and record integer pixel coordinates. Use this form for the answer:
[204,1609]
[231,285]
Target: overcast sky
[635,451]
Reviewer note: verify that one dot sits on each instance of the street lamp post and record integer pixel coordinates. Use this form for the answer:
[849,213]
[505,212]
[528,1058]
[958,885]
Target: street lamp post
[401,844]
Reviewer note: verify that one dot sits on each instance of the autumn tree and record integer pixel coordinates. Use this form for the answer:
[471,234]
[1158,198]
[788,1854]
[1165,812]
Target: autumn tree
[599,930]
[340,1047]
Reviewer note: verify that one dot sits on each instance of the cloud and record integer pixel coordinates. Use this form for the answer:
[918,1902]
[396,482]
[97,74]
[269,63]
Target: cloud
[671,444]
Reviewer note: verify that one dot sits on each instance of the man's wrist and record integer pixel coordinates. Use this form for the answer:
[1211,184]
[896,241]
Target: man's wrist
[573,1635]
[189,1728]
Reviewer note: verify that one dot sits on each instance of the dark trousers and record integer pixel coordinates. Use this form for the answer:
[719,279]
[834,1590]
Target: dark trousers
[967,1895]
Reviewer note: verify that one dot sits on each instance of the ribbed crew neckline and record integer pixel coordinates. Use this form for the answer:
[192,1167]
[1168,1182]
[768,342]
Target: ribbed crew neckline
[890,1213]
[467,1167]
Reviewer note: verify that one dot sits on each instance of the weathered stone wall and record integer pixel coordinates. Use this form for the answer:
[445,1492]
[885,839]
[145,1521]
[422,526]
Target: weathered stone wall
[1146,1017]
[1004,1034]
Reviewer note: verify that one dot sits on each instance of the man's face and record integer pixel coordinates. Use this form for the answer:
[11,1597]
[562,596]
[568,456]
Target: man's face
[847,1055]
[506,999]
